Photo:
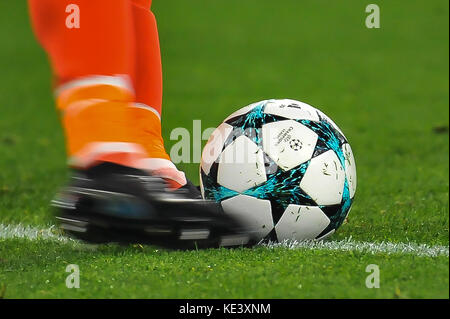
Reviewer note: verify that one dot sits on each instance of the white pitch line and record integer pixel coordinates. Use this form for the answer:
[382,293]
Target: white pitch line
[32,233]
[421,250]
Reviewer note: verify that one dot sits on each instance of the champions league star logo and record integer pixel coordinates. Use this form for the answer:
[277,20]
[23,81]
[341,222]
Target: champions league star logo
[295,144]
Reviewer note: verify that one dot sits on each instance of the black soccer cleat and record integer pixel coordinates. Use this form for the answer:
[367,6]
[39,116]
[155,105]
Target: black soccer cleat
[114,203]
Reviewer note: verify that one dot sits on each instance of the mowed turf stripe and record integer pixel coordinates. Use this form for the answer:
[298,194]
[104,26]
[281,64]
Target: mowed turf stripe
[421,250]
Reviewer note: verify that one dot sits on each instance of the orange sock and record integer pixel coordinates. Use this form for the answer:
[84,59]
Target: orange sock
[96,121]
[148,80]
[146,112]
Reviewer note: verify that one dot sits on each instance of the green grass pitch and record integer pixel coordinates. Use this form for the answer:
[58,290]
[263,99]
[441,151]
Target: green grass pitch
[386,88]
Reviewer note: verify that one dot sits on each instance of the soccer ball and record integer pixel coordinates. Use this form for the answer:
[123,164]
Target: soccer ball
[283,168]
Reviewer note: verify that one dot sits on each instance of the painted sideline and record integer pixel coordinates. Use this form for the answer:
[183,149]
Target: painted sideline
[422,250]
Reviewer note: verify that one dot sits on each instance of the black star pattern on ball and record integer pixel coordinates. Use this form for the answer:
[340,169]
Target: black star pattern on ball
[328,137]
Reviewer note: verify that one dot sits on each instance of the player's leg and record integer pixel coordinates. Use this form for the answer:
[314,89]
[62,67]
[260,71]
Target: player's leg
[148,86]
[93,64]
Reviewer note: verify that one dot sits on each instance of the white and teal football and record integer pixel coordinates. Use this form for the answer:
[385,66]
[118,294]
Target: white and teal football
[283,168]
